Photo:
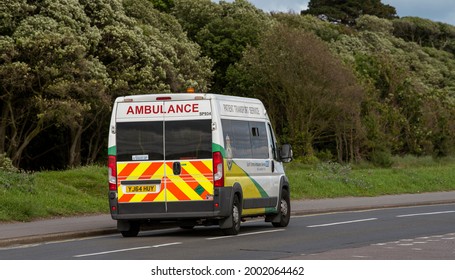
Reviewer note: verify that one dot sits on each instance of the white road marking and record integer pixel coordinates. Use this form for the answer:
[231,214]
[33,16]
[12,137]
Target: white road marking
[244,234]
[166,244]
[112,252]
[342,223]
[126,250]
[425,214]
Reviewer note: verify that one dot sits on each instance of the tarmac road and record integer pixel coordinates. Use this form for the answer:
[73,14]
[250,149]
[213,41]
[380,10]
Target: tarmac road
[415,232]
[93,225]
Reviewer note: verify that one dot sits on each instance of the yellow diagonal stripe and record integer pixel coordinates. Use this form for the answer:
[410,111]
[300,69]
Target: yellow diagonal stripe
[199,177]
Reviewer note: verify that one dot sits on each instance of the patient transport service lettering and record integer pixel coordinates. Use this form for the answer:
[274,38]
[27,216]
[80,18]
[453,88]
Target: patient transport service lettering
[195,159]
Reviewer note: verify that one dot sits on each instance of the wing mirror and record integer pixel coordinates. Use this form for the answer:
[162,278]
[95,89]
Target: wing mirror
[286,153]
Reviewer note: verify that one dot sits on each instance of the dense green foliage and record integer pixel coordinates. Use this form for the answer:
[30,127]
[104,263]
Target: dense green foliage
[347,12]
[369,89]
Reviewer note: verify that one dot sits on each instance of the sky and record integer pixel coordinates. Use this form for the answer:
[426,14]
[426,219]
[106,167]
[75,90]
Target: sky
[436,10]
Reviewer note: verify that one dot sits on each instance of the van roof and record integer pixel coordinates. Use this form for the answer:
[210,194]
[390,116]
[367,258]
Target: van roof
[183,97]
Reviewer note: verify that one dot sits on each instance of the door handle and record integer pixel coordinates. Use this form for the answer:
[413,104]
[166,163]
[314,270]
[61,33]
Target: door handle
[177,168]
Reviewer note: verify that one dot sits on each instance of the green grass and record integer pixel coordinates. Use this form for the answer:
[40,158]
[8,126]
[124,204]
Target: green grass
[407,175]
[26,197]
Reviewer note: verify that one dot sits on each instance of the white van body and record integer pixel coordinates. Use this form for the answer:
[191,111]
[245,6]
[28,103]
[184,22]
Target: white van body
[196,159]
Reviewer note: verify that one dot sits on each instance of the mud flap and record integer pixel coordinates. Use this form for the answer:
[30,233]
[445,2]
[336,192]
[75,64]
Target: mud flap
[273,218]
[226,223]
[123,225]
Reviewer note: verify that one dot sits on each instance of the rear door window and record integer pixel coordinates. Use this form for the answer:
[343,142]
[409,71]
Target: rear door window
[189,139]
[139,141]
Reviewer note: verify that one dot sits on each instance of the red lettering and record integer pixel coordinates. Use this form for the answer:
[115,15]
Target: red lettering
[139,110]
[171,109]
[179,108]
[159,109]
[130,110]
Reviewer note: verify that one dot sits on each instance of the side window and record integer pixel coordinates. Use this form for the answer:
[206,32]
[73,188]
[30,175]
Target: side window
[272,142]
[238,135]
[246,139]
[259,140]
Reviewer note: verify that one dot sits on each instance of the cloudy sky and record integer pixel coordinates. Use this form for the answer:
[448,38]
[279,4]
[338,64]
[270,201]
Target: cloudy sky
[436,10]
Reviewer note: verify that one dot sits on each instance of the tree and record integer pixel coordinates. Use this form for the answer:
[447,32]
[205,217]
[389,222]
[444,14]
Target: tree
[222,30]
[312,98]
[403,80]
[63,62]
[163,5]
[426,32]
[348,11]
[184,66]
[50,52]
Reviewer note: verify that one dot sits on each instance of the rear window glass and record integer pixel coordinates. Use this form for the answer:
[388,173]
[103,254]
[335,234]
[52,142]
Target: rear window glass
[189,139]
[143,141]
[140,141]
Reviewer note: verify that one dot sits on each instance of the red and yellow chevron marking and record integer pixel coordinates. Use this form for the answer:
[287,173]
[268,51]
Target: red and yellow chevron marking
[194,183]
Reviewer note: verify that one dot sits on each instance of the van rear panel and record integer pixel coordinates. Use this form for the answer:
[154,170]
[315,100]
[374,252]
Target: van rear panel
[164,158]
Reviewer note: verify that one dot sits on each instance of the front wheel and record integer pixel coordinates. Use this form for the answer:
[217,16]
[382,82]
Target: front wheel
[285,210]
[235,218]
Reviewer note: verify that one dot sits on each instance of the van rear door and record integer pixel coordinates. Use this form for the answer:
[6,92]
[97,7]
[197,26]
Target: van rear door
[164,154]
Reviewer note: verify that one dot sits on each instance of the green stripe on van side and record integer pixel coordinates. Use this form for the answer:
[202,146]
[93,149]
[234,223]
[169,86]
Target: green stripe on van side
[219,148]
[112,151]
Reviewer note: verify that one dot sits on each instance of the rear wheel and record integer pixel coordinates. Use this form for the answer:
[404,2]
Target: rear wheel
[235,217]
[285,210]
[133,231]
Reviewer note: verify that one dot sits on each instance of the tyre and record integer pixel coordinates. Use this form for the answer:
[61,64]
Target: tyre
[133,231]
[235,217]
[285,210]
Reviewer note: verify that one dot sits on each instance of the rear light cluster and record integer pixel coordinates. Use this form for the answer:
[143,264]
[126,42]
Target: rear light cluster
[112,170]
[218,170]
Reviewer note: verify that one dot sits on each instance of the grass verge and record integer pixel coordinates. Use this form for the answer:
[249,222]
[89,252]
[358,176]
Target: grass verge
[407,175]
[25,196]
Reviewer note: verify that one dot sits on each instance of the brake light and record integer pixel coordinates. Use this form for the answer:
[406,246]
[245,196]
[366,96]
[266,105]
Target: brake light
[218,170]
[163,98]
[112,171]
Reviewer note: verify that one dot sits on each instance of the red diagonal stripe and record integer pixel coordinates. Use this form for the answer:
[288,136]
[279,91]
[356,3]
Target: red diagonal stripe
[171,187]
[126,198]
[202,168]
[129,168]
[151,196]
[151,170]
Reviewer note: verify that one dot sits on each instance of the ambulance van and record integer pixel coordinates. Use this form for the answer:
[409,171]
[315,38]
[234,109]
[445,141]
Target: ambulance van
[195,159]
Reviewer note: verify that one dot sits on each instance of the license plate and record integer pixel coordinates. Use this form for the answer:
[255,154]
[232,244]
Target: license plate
[132,189]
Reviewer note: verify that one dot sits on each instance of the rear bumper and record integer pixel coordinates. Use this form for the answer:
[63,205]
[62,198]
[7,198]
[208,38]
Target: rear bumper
[217,208]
